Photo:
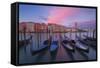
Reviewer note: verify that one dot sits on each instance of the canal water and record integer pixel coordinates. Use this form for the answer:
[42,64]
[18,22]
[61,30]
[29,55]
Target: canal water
[26,56]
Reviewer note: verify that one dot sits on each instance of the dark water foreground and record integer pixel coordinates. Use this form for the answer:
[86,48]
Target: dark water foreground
[26,56]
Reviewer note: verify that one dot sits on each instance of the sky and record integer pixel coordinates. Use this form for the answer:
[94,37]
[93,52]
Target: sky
[60,15]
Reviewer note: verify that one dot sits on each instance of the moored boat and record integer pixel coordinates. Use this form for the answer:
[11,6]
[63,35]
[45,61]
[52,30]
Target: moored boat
[89,38]
[87,42]
[41,48]
[24,42]
[53,49]
[67,44]
[81,47]
[53,46]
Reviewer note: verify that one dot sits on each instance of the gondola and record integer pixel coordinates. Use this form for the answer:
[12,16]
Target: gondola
[24,42]
[87,42]
[81,40]
[91,43]
[89,38]
[67,44]
[80,46]
[53,49]
[53,46]
[41,48]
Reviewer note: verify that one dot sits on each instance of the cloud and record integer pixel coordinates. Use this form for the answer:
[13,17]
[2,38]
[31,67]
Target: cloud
[58,14]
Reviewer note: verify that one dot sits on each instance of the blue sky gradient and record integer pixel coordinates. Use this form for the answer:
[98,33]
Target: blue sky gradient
[38,13]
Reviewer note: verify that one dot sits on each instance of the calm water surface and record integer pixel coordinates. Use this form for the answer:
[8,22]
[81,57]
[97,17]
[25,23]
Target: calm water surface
[25,55]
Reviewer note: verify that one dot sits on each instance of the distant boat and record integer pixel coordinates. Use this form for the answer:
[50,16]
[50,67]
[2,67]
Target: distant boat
[91,43]
[24,42]
[80,46]
[89,38]
[81,40]
[88,42]
[41,48]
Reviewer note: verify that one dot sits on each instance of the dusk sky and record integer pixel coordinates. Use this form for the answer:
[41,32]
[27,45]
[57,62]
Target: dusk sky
[60,15]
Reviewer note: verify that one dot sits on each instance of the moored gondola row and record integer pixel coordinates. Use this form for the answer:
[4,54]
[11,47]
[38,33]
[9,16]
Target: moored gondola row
[53,45]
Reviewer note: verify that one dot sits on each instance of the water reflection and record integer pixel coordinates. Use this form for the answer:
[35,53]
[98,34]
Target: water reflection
[60,54]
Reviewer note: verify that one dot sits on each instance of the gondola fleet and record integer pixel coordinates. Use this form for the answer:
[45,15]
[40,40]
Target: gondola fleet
[67,43]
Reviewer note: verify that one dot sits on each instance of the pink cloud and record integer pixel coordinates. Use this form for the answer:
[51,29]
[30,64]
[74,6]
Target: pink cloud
[58,14]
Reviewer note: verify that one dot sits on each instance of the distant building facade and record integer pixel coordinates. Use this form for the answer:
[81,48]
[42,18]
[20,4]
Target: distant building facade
[42,27]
